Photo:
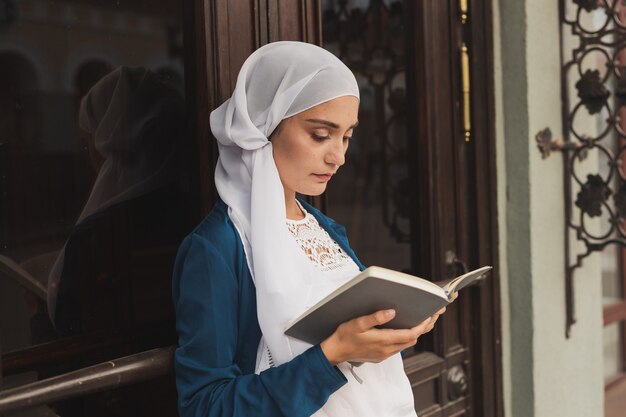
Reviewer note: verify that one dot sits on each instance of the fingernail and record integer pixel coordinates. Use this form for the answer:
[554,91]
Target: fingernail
[390,313]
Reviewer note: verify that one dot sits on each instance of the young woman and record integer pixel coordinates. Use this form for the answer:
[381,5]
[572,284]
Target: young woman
[262,256]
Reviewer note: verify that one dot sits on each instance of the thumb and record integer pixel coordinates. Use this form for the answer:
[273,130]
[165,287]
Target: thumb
[365,323]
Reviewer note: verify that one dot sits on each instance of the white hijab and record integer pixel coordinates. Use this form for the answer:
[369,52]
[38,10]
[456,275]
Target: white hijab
[277,81]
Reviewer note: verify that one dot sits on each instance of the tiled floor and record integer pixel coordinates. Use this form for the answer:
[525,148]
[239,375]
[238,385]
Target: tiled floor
[615,402]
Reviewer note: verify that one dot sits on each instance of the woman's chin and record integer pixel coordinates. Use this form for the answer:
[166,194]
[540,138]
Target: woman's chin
[314,190]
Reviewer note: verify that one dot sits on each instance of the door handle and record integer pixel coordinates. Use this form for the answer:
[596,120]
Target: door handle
[454,265]
[457,382]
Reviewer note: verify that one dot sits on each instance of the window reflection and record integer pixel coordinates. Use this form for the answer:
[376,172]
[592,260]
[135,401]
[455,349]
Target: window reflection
[131,122]
[94,192]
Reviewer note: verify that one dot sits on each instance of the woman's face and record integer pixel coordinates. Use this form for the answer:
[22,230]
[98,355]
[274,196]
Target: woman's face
[310,147]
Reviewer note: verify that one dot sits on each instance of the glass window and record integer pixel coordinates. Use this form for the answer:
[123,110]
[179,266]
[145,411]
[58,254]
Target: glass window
[370,196]
[93,182]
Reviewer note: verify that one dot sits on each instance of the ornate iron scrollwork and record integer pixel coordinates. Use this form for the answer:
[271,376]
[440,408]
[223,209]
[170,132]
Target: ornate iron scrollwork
[546,144]
[596,71]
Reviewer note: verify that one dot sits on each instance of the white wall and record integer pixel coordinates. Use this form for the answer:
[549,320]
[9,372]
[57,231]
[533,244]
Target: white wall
[545,374]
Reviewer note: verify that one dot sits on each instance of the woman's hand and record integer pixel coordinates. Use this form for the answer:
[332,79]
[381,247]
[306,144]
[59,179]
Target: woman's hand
[358,340]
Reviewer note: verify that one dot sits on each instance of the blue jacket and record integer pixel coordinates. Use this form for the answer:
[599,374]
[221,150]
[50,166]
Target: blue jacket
[216,320]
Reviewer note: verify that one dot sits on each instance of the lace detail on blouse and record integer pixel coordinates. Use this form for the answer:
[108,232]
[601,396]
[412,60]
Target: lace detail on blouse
[317,244]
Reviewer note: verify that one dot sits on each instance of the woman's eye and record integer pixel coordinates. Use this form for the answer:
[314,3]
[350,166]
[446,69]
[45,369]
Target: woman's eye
[347,138]
[319,138]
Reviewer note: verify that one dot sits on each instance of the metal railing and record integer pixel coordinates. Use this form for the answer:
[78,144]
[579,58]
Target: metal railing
[15,272]
[119,372]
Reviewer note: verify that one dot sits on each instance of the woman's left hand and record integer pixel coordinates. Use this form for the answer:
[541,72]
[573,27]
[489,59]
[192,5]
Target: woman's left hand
[360,340]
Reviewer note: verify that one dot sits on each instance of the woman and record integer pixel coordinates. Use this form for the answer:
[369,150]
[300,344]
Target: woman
[261,257]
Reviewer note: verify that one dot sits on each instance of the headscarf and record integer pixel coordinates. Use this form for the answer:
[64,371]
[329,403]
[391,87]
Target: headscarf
[277,81]
[135,121]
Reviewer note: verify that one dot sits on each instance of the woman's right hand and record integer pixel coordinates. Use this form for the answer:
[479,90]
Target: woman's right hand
[359,340]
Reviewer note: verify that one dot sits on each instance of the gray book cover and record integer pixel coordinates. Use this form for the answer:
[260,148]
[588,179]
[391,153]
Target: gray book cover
[413,298]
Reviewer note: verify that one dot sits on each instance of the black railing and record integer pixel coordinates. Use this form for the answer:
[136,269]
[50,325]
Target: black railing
[119,372]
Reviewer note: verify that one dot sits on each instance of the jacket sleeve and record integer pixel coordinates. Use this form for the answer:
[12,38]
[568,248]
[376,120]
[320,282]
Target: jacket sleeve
[209,380]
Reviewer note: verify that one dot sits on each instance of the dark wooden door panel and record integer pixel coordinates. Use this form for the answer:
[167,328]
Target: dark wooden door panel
[455,197]
[425,372]
[440,158]
[294,20]
[432,391]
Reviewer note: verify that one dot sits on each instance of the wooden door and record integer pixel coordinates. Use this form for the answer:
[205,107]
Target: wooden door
[455,198]
[414,193]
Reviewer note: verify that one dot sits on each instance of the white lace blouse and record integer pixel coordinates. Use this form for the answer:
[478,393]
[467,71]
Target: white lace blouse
[321,249]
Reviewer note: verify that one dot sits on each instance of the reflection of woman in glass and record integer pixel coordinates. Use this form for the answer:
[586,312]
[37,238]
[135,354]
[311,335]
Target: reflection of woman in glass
[262,256]
[107,276]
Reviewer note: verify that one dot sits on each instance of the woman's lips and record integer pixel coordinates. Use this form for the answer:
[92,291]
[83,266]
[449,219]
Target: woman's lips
[323,177]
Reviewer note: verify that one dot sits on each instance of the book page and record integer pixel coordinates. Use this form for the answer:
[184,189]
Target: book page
[464,280]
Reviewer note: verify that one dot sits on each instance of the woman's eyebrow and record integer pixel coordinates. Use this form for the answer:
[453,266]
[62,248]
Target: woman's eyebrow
[329,123]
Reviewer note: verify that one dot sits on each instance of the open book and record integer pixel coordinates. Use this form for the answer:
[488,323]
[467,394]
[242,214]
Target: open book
[414,299]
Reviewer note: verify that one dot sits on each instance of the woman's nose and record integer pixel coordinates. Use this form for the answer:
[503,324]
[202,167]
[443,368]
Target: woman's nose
[336,155]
